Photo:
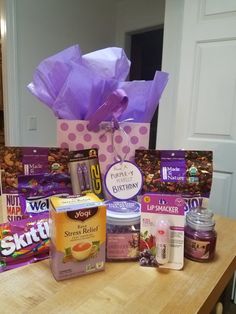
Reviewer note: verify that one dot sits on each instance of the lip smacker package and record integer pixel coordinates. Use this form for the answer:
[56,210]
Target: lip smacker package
[162,231]
[78,235]
[16,161]
[23,242]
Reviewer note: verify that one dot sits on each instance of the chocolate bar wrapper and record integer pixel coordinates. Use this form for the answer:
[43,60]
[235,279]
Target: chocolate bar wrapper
[35,191]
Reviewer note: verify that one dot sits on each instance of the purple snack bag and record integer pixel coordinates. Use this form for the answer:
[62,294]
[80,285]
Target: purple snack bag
[24,242]
[35,191]
[185,172]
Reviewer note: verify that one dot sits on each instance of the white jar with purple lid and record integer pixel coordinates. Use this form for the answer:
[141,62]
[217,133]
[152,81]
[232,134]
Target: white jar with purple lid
[123,230]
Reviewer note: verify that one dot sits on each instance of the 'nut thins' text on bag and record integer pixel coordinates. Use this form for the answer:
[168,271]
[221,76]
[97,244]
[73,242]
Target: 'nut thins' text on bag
[184,172]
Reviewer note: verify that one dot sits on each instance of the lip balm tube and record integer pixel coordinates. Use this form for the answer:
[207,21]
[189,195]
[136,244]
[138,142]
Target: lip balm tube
[75,174]
[162,241]
[86,176]
[80,177]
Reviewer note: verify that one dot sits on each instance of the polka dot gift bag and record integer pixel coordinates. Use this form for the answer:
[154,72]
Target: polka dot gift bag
[95,104]
[114,140]
[75,135]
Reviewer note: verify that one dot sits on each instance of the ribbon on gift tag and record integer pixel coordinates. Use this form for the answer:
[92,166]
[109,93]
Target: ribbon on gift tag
[115,104]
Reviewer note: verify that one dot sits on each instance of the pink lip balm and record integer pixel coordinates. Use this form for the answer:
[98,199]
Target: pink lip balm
[162,241]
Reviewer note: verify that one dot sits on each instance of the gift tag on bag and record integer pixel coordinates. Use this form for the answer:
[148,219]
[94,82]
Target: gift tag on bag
[123,180]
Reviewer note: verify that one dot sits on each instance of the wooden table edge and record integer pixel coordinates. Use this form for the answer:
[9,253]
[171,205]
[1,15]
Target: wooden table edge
[219,288]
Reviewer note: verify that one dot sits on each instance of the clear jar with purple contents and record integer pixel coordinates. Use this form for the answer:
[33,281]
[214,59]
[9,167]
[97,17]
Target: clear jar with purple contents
[123,230]
[200,235]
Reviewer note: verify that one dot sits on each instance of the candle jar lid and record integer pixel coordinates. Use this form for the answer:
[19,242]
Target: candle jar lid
[200,219]
[123,212]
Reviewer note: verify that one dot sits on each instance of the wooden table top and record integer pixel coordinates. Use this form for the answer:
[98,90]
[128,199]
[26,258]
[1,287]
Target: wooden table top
[124,287]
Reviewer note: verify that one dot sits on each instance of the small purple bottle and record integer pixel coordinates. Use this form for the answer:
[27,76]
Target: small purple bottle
[85,176]
[200,235]
[80,177]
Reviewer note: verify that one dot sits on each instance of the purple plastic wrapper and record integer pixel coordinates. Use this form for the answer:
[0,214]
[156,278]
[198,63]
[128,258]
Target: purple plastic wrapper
[51,74]
[35,191]
[143,97]
[74,86]
[81,94]
[24,242]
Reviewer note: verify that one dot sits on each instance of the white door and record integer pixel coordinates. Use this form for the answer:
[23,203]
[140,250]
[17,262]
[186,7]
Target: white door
[198,110]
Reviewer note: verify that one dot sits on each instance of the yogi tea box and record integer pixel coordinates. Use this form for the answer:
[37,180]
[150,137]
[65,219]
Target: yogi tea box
[78,235]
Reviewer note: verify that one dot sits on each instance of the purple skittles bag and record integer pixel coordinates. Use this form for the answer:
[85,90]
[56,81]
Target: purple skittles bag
[23,242]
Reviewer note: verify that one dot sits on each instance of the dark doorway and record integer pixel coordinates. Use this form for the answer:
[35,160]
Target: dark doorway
[146,58]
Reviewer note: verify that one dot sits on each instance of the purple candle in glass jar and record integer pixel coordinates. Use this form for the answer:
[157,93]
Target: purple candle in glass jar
[200,235]
[123,228]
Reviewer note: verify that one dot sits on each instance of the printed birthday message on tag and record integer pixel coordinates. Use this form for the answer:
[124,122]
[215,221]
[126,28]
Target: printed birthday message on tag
[123,180]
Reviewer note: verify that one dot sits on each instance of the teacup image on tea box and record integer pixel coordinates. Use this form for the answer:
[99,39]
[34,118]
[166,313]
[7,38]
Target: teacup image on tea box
[78,235]
[81,250]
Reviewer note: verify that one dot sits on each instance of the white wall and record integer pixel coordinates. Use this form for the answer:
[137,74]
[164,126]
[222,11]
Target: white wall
[44,27]
[137,15]
[170,64]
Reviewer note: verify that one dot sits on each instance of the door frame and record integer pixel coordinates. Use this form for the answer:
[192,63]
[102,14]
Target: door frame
[11,105]
[172,42]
